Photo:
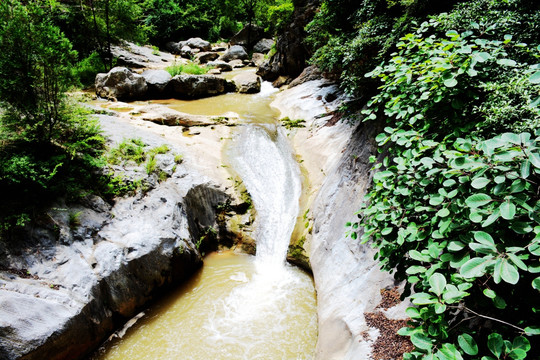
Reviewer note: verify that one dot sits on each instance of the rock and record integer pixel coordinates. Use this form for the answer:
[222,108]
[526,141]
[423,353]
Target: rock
[219,47]
[264,46]
[198,43]
[204,57]
[157,81]
[280,81]
[175,47]
[257,59]
[233,53]
[164,115]
[308,74]
[135,56]
[220,64]
[236,64]
[291,53]
[121,84]
[214,72]
[196,86]
[186,52]
[248,36]
[247,83]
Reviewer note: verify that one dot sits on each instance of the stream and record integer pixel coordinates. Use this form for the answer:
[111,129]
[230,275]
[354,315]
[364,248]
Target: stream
[239,306]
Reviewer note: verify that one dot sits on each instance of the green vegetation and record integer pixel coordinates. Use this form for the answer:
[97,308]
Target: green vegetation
[289,124]
[453,210]
[189,68]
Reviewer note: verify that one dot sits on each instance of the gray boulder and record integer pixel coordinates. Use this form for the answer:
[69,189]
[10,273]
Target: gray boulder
[198,43]
[157,81]
[248,83]
[121,84]
[220,64]
[236,64]
[196,86]
[186,52]
[204,57]
[264,46]
[233,53]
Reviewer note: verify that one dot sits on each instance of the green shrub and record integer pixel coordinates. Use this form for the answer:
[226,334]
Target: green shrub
[87,69]
[456,216]
[189,68]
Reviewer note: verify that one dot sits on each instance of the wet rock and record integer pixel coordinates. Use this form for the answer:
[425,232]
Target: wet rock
[264,46]
[308,74]
[281,80]
[248,83]
[157,81]
[198,43]
[121,84]
[164,115]
[221,65]
[196,86]
[233,53]
[204,57]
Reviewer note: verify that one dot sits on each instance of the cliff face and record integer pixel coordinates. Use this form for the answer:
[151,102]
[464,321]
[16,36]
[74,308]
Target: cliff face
[292,55]
[335,156]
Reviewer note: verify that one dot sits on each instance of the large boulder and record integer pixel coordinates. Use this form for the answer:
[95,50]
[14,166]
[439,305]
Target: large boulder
[248,83]
[257,59]
[186,52]
[121,84]
[198,43]
[196,86]
[221,65]
[264,46]
[157,81]
[204,57]
[233,53]
[248,36]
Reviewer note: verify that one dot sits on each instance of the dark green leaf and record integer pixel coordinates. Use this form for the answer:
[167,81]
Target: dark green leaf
[477,200]
[509,273]
[438,283]
[495,344]
[421,341]
[475,267]
[480,183]
[535,78]
[536,283]
[467,343]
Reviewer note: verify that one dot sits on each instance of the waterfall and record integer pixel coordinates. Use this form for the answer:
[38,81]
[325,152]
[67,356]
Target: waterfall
[263,159]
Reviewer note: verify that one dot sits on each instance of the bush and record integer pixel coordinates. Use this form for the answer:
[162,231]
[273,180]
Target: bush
[189,68]
[456,216]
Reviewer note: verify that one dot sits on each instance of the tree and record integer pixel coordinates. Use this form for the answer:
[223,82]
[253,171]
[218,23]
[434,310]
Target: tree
[35,70]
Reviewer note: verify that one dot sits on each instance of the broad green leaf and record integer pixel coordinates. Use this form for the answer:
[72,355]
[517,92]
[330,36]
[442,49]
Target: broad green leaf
[467,343]
[439,308]
[438,283]
[536,283]
[484,238]
[477,200]
[449,352]
[480,183]
[522,343]
[535,159]
[509,273]
[450,82]
[475,267]
[443,212]
[416,255]
[421,341]
[535,78]
[497,271]
[406,331]
[495,344]
[423,299]
[517,261]
[508,210]
[475,217]
[412,312]
[517,354]
[415,270]
[525,169]
[435,199]
[481,57]
[506,62]
[532,330]
[492,218]
[455,246]
[490,293]
[386,231]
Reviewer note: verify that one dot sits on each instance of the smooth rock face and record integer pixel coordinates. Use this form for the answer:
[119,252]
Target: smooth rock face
[233,53]
[204,57]
[347,279]
[257,59]
[121,84]
[135,56]
[196,86]
[264,46]
[164,115]
[198,43]
[157,81]
[248,83]
[221,65]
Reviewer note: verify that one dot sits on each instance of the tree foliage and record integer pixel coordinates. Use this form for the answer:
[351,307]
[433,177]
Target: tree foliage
[454,209]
